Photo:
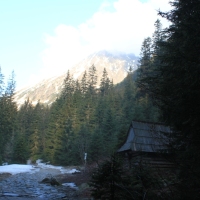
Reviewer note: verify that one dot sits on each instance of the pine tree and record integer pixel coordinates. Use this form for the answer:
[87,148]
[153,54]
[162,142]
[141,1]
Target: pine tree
[51,137]
[1,83]
[129,98]
[68,86]
[97,146]
[10,89]
[21,152]
[24,120]
[149,63]
[107,180]
[38,130]
[84,84]
[157,38]
[146,58]
[92,80]
[109,131]
[8,110]
[175,89]
[104,84]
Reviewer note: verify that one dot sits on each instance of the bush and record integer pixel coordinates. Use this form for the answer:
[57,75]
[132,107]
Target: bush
[108,182]
[111,182]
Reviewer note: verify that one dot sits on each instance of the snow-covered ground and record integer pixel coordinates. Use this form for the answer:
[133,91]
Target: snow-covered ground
[18,168]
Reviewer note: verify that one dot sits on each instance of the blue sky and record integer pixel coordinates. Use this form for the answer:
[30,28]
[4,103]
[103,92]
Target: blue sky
[42,38]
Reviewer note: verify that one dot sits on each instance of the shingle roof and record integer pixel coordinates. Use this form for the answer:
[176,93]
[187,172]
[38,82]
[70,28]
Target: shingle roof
[146,137]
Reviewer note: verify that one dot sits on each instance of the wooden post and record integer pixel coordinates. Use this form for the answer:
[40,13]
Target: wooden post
[85,159]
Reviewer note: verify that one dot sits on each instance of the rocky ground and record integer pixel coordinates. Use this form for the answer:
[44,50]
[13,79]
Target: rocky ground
[81,181]
[4,176]
[28,186]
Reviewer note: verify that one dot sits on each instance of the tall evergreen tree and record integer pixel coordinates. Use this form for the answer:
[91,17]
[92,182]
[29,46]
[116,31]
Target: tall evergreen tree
[157,37]
[68,86]
[145,58]
[8,110]
[1,83]
[129,98]
[92,80]
[20,153]
[24,120]
[175,89]
[105,83]
[10,89]
[84,83]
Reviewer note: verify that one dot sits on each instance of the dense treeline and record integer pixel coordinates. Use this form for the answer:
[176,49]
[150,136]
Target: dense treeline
[8,111]
[169,73]
[91,119]
[84,119]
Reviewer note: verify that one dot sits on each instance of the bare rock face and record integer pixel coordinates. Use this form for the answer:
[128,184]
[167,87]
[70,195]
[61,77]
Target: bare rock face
[46,91]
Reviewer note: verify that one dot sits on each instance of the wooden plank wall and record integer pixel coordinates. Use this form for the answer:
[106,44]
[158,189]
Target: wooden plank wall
[153,160]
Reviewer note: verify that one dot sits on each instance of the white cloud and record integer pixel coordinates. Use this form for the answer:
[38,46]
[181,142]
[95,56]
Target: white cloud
[122,29]
[64,47]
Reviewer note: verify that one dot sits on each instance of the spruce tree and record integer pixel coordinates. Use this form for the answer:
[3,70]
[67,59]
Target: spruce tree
[68,86]
[92,80]
[145,58]
[107,179]
[157,38]
[84,84]
[1,83]
[104,84]
[175,89]
[129,98]
[21,152]
[8,111]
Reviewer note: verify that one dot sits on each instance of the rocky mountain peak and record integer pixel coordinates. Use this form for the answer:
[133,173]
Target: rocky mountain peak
[46,91]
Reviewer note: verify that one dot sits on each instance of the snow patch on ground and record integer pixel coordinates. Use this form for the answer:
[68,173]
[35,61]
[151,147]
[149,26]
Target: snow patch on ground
[18,168]
[71,185]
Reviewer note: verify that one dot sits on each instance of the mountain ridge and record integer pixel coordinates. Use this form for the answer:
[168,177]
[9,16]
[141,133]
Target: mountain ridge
[47,90]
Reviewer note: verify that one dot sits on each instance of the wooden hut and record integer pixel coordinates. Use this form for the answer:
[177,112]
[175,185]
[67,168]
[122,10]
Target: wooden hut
[147,142]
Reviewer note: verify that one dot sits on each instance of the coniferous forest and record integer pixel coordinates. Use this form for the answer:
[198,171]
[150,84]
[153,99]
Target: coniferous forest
[94,120]
[84,119]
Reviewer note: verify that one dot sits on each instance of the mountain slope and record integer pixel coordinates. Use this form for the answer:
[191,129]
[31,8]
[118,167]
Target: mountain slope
[47,90]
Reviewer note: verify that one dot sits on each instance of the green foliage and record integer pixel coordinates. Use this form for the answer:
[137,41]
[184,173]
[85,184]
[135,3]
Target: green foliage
[92,80]
[83,119]
[105,83]
[97,148]
[8,112]
[1,83]
[144,182]
[173,84]
[107,179]
[21,151]
[87,119]
[111,180]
